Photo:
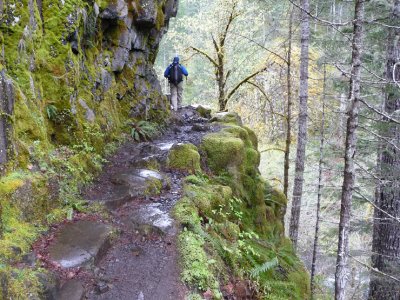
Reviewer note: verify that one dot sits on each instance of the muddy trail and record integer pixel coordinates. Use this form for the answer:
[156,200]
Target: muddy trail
[131,252]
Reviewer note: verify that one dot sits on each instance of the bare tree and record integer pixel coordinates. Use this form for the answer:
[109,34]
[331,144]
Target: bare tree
[218,60]
[386,234]
[320,186]
[302,131]
[289,108]
[350,149]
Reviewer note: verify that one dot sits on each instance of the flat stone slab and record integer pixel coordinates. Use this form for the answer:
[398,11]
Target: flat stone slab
[151,219]
[139,180]
[80,243]
[119,195]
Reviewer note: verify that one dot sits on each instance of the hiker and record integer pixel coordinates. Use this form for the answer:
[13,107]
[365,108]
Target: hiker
[174,73]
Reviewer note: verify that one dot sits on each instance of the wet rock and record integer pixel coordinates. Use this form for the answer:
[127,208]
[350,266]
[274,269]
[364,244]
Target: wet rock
[80,243]
[199,127]
[117,197]
[142,181]
[150,219]
[152,161]
[71,290]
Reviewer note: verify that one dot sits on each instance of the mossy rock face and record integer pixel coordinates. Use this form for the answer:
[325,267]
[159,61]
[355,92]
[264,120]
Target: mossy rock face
[227,117]
[184,157]
[225,152]
[252,136]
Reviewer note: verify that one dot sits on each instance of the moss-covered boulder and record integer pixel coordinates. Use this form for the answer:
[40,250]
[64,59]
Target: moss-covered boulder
[234,218]
[184,157]
[227,117]
[224,152]
[203,112]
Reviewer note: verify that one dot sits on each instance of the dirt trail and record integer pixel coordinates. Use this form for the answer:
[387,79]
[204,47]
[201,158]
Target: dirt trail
[140,261]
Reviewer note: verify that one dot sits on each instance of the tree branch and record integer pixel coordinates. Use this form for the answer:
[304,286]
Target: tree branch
[373,269]
[205,55]
[243,82]
[379,112]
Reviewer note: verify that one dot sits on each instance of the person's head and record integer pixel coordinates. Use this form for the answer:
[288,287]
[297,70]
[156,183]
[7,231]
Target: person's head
[176,60]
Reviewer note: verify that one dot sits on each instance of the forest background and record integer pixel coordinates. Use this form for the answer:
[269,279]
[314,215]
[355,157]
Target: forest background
[262,67]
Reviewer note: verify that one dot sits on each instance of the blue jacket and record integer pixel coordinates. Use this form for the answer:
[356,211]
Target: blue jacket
[175,61]
[183,69]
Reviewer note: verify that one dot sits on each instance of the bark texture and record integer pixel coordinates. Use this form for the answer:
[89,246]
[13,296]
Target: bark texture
[350,149]
[302,131]
[386,235]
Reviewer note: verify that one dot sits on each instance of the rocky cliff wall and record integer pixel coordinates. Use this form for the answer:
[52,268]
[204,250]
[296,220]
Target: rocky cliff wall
[74,70]
[74,76]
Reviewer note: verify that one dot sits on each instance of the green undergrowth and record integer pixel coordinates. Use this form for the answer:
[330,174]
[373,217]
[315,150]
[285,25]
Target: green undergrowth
[232,224]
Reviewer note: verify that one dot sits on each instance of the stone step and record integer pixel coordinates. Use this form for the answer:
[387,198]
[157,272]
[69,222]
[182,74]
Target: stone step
[119,195]
[150,219]
[81,243]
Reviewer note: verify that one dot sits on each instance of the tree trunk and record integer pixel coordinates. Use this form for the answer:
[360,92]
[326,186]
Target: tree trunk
[386,235]
[221,79]
[320,186]
[289,109]
[302,131]
[350,148]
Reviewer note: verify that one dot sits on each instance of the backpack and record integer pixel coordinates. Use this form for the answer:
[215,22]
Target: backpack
[175,74]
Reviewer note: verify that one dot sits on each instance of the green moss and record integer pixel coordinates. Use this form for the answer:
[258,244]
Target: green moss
[160,20]
[194,261]
[227,117]
[20,284]
[184,157]
[252,136]
[203,112]
[11,183]
[224,152]
[238,218]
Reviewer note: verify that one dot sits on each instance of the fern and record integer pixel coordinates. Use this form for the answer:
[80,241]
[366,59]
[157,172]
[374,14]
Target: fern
[51,111]
[258,270]
[144,131]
